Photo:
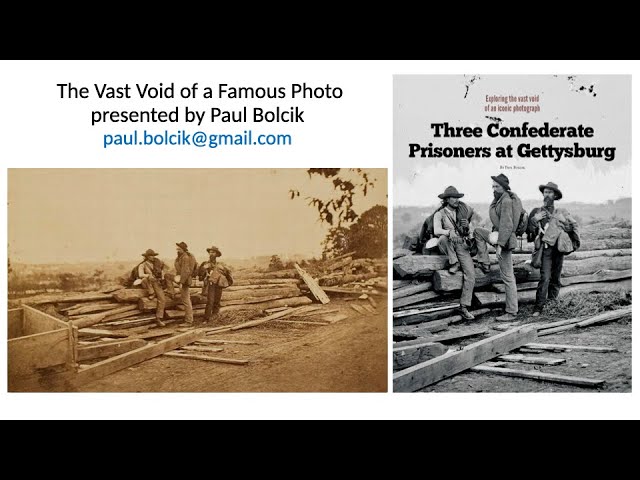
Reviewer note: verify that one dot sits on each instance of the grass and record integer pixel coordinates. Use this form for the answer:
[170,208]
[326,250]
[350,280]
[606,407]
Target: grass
[581,304]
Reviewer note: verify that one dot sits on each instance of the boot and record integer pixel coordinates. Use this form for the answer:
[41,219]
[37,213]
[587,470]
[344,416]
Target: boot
[160,323]
[454,268]
[507,317]
[466,314]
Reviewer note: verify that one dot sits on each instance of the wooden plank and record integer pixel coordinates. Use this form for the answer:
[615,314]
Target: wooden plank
[27,354]
[131,323]
[206,358]
[582,254]
[536,375]
[15,320]
[201,348]
[317,292]
[302,322]
[35,321]
[412,290]
[552,331]
[422,329]
[423,311]
[125,360]
[334,318]
[417,298]
[82,309]
[410,355]
[515,358]
[89,320]
[320,311]
[274,310]
[402,252]
[529,296]
[495,364]
[599,276]
[369,309]
[160,332]
[536,350]
[499,287]
[456,335]
[350,291]
[590,265]
[443,281]
[359,309]
[213,341]
[109,350]
[242,282]
[343,262]
[412,266]
[94,332]
[605,317]
[577,348]
[426,373]
[67,298]
[401,283]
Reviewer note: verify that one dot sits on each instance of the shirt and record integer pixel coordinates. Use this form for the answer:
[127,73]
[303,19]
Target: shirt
[442,223]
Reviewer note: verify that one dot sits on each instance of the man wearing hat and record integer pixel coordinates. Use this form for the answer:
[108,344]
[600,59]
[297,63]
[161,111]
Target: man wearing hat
[550,222]
[185,265]
[215,277]
[451,226]
[150,272]
[504,213]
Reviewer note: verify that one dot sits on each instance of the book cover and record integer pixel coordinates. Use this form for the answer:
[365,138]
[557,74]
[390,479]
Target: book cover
[512,233]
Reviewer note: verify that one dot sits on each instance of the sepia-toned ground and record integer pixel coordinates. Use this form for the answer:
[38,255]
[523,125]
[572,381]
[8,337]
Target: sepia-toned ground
[347,356]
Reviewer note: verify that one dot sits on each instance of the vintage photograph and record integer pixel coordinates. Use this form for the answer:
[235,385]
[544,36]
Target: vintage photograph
[512,233]
[197,280]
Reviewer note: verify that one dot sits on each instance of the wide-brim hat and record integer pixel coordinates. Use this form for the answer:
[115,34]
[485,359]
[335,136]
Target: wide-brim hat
[150,253]
[502,180]
[553,187]
[451,192]
[214,249]
[183,246]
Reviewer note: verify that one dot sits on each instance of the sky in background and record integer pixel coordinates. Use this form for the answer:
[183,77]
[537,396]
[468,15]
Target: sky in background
[75,215]
[420,100]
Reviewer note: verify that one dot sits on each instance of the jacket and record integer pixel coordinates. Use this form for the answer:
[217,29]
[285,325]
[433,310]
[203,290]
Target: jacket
[560,221]
[504,214]
[153,268]
[213,271]
[186,265]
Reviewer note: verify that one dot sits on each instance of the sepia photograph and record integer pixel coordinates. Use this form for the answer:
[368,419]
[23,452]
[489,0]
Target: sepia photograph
[512,233]
[197,280]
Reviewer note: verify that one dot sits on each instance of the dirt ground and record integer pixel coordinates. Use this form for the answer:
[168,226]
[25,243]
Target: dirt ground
[614,367]
[347,356]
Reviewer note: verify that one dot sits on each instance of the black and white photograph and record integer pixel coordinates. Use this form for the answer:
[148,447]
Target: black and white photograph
[197,280]
[512,233]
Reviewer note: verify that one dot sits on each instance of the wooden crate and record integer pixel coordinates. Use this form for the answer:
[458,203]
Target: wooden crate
[38,344]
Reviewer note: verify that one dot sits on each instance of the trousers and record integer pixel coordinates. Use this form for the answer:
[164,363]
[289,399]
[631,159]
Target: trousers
[214,295]
[459,252]
[506,269]
[550,271]
[152,285]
